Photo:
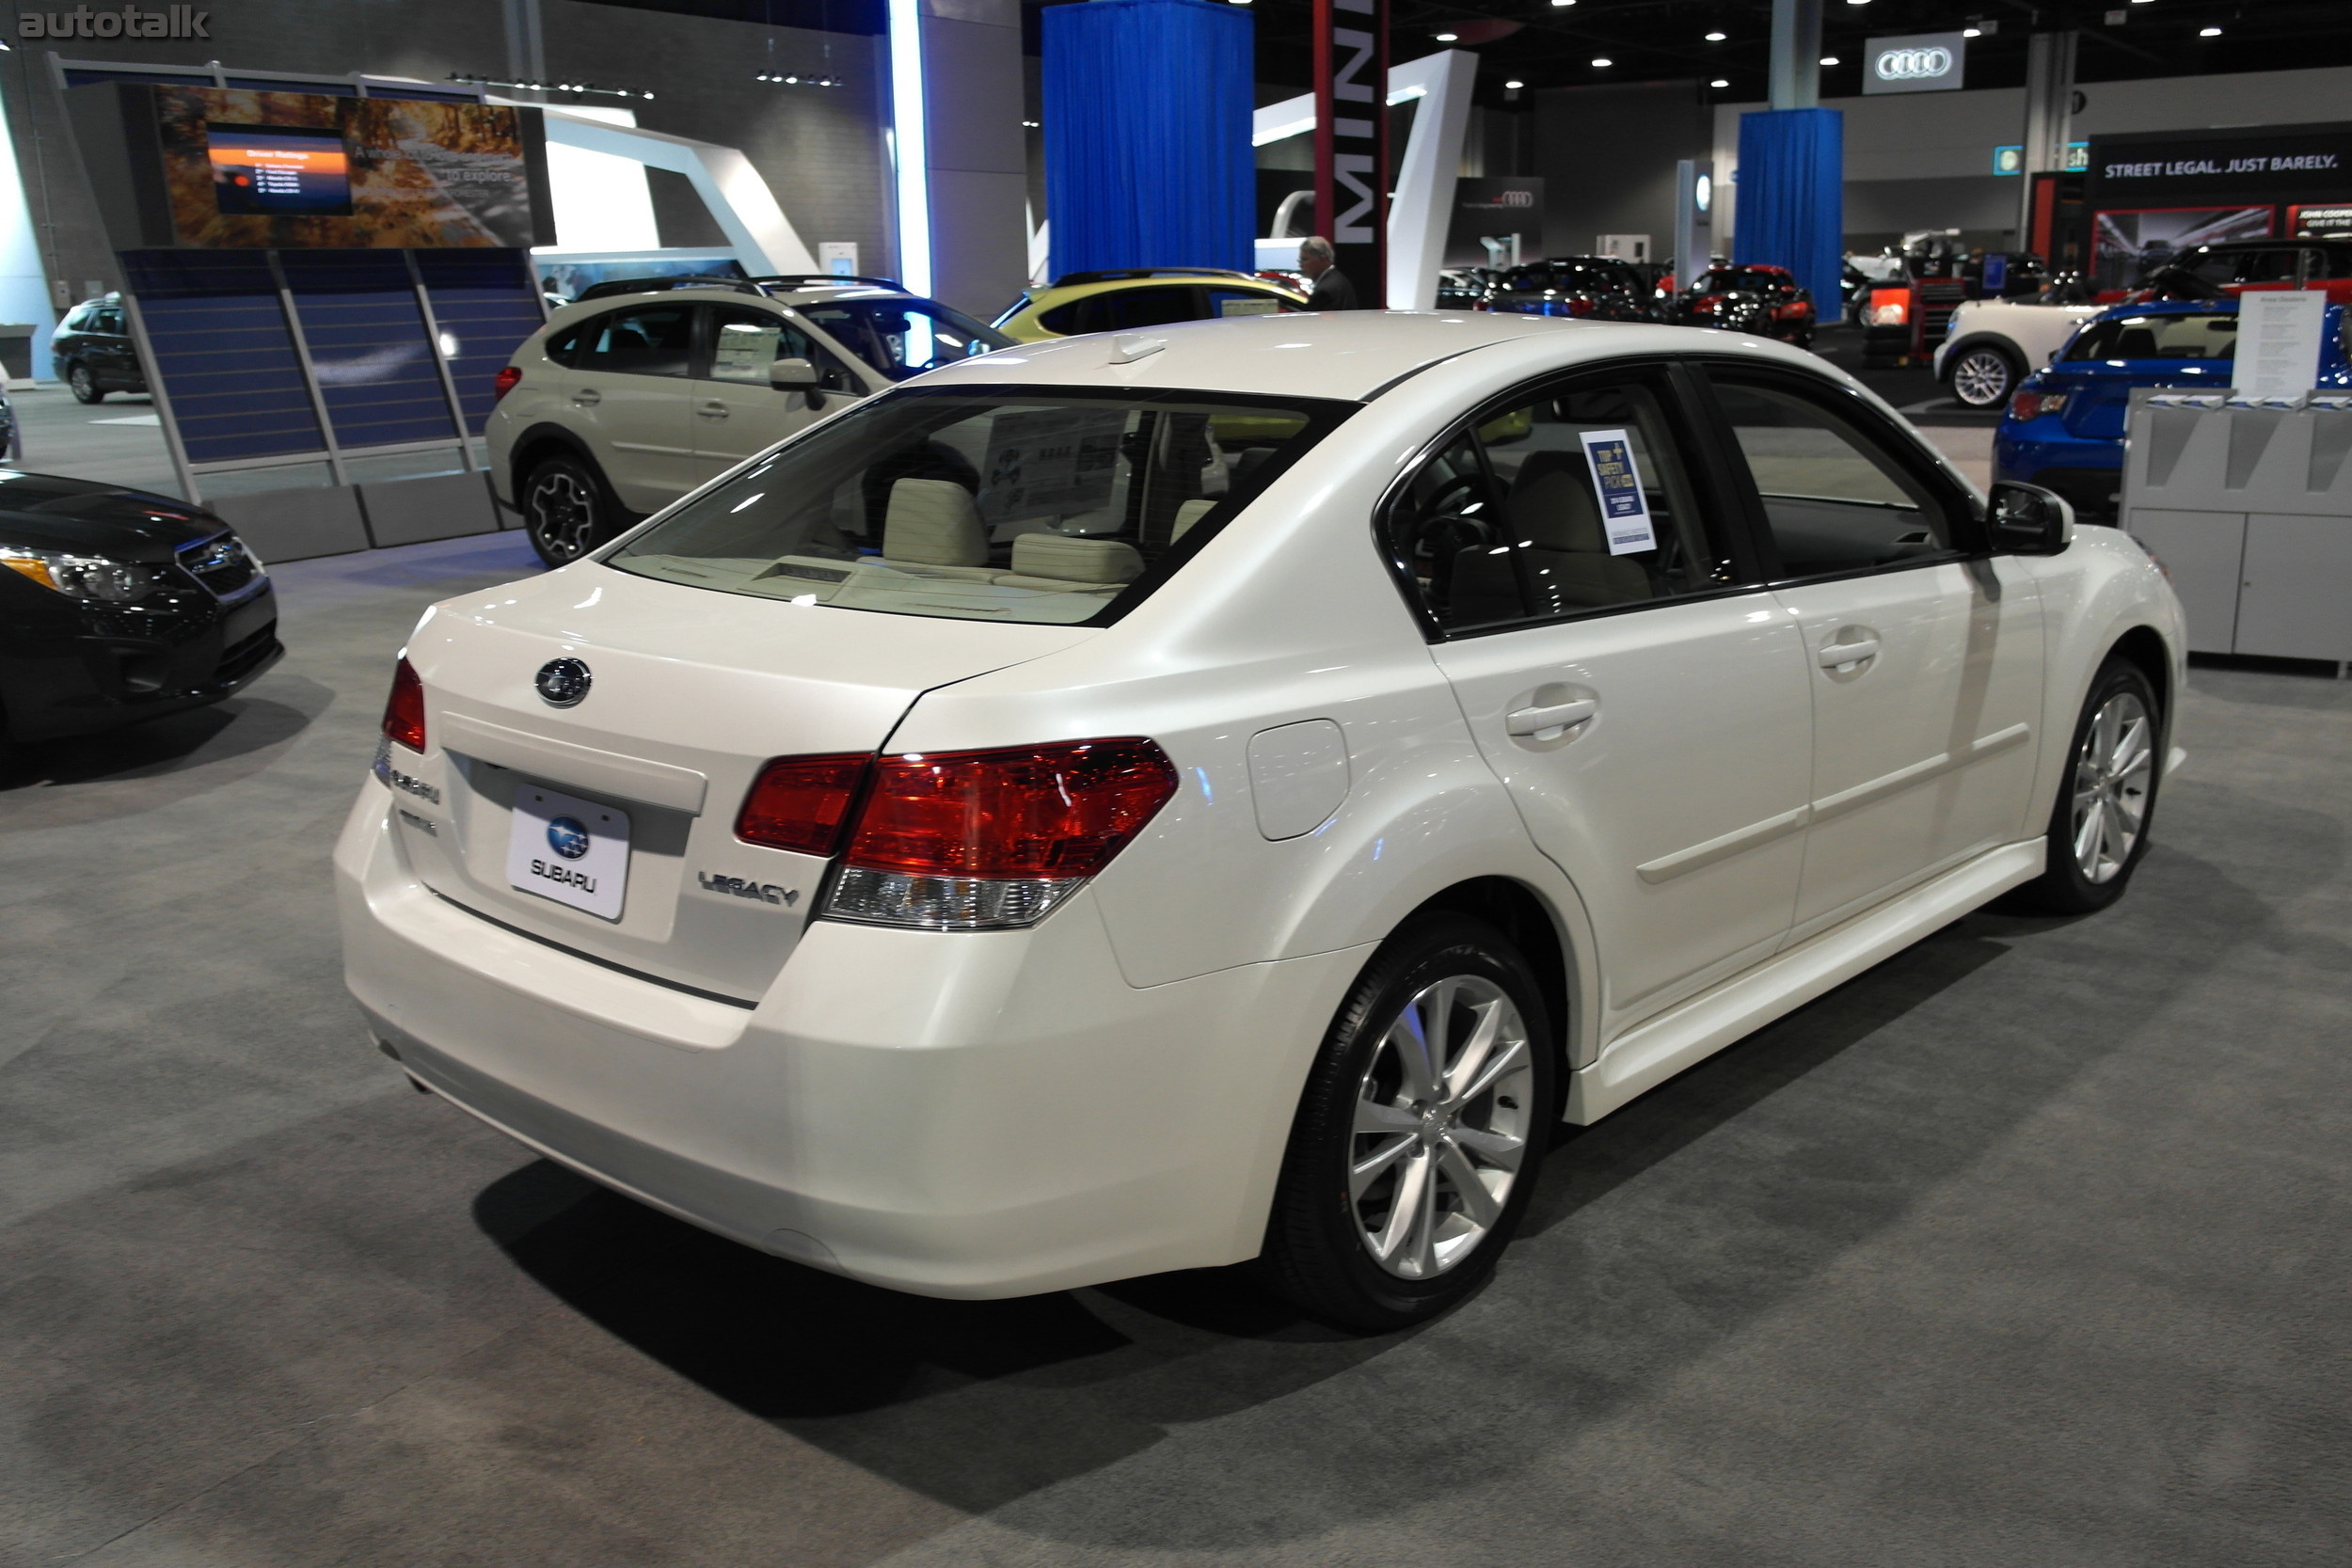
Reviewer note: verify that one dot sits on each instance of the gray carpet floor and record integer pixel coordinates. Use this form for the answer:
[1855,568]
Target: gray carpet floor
[2031,1247]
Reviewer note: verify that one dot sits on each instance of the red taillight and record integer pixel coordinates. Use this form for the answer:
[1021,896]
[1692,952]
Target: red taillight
[1580,306]
[803,802]
[404,710]
[508,378]
[1033,811]
[2032,405]
[1709,303]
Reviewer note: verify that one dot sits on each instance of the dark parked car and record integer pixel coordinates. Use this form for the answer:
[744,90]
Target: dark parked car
[1591,288]
[1765,301]
[2228,267]
[1464,287]
[117,604]
[94,353]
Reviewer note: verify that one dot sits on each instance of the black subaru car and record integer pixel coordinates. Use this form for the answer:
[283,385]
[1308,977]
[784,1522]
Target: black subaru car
[118,605]
[92,351]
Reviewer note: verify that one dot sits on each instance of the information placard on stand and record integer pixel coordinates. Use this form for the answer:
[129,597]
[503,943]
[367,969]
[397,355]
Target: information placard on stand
[2279,342]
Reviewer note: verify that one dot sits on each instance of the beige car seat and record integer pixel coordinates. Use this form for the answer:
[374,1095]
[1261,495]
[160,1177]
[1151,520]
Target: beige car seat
[934,524]
[1560,547]
[1057,561]
[1189,514]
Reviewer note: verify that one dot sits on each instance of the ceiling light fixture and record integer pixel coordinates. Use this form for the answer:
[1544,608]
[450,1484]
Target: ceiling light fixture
[1715,37]
[1514,86]
[1829,59]
[1447,38]
[1972,32]
[801,80]
[1604,61]
[1563,2]
[546,87]
[2209,32]
[1719,82]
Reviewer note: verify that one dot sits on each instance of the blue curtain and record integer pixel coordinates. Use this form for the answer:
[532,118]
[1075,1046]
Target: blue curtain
[1791,209]
[1148,162]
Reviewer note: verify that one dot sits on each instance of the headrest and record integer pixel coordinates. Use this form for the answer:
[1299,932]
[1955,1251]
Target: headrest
[1189,514]
[1551,504]
[1065,560]
[933,522]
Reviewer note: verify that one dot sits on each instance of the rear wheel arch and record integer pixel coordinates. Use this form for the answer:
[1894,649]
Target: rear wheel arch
[541,442]
[1520,914]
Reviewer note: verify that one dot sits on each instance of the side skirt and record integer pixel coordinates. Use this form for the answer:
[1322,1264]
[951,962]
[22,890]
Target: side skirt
[1644,1057]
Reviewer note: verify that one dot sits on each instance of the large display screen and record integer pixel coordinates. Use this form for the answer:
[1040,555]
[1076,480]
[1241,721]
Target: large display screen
[264,169]
[2126,244]
[293,171]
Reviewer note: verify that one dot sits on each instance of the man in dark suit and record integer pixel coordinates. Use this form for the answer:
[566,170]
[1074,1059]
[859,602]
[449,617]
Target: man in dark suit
[1331,291]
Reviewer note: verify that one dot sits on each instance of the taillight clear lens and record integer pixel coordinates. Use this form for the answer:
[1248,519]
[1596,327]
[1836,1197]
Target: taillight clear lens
[2032,405]
[509,377]
[803,802]
[404,710]
[987,840]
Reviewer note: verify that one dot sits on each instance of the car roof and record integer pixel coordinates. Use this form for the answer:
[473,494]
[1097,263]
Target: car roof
[1331,354]
[729,292]
[1062,293]
[2171,307]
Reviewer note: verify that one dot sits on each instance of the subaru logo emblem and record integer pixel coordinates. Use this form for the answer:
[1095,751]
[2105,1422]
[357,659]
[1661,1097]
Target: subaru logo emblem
[563,682]
[568,838]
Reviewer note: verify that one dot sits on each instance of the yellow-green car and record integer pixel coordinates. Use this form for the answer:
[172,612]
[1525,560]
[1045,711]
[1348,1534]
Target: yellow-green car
[1144,297]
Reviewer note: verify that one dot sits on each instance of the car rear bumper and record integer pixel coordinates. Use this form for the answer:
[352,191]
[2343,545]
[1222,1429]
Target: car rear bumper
[951,1113]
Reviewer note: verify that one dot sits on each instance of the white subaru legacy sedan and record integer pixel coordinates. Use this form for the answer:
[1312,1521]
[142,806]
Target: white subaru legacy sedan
[1137,803]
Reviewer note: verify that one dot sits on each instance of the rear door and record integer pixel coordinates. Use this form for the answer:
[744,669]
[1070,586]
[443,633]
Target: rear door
[738,411]
[1923,652]
[628,394]
[1623,670]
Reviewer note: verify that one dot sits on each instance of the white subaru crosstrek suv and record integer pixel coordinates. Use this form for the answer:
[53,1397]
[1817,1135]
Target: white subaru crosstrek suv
[1139,803]
[621,404]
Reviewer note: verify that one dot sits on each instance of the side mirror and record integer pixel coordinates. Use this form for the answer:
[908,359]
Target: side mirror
[2026,519]
[787,373]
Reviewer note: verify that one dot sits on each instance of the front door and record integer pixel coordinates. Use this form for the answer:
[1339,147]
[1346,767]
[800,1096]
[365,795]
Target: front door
[737,412]
[1624,672]
[628,395]
[1924,652]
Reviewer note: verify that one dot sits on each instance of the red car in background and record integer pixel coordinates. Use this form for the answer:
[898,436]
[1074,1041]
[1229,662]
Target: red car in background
[1750,298]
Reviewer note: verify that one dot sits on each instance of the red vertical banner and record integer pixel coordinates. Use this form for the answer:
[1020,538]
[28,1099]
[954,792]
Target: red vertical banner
[1352,141]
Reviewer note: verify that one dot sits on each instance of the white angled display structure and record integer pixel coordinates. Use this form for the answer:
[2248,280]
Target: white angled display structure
[2247,502]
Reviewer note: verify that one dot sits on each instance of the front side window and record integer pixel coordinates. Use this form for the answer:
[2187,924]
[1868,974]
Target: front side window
[1003,505]
[650,339]
[2204,335]
[1574,502]
[1836,496]
[903,338]
[744,344]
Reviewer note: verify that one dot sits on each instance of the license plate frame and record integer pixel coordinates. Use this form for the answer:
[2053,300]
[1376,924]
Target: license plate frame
[568,851]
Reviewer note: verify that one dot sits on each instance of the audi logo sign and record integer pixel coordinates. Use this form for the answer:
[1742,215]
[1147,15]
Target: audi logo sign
[1898,65]
[1917,62]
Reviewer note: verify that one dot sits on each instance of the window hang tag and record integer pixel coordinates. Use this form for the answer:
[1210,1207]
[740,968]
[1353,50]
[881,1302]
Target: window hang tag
[1624,509]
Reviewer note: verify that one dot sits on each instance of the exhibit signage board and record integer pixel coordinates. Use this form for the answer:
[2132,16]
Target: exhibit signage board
[1914,62]
[2309,161]
[2278,339]
[1352,174]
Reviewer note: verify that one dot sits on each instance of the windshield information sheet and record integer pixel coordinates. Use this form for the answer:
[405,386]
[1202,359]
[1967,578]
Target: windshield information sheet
[1624,510]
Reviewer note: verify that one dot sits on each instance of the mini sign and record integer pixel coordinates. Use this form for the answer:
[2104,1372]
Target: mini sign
[1914,62]
[1624,509]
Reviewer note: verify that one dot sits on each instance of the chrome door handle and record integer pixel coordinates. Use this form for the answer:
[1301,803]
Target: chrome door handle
[1836,656]
[1559,716]
[713,409]
[587,397]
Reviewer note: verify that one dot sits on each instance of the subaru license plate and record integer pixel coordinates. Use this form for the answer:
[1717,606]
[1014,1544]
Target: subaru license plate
[571,850]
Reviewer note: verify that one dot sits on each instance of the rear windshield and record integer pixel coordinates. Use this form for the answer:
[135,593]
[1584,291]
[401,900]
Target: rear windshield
[2198,336]
[1046,506]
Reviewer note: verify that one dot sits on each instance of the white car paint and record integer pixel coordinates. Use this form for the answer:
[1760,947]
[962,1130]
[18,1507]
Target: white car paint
[2034,333]
[1742,825]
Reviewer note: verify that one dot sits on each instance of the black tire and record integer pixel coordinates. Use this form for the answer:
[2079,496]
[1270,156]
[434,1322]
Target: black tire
[567,508]
[1982,376]
[86,388]
[2080,881]
[1326,1228]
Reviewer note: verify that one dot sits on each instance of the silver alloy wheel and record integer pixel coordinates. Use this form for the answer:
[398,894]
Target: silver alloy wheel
[1441,1127]
[562,513]
[2112,774]
[1982,378]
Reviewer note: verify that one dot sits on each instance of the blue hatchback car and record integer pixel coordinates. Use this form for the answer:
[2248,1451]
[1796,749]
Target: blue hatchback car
[2065,424]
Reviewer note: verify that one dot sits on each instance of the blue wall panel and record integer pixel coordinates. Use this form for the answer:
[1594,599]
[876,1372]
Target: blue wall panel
[368,348]
[487,301]
[1148,162]
[223,352]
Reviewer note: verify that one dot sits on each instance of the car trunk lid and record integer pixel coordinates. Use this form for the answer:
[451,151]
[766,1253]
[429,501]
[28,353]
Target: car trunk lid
[626,798]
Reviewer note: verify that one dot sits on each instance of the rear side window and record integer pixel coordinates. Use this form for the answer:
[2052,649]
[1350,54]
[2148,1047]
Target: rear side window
[1010,504]
[1124,310]
[648,339]
[1574,502]
[2201,336]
